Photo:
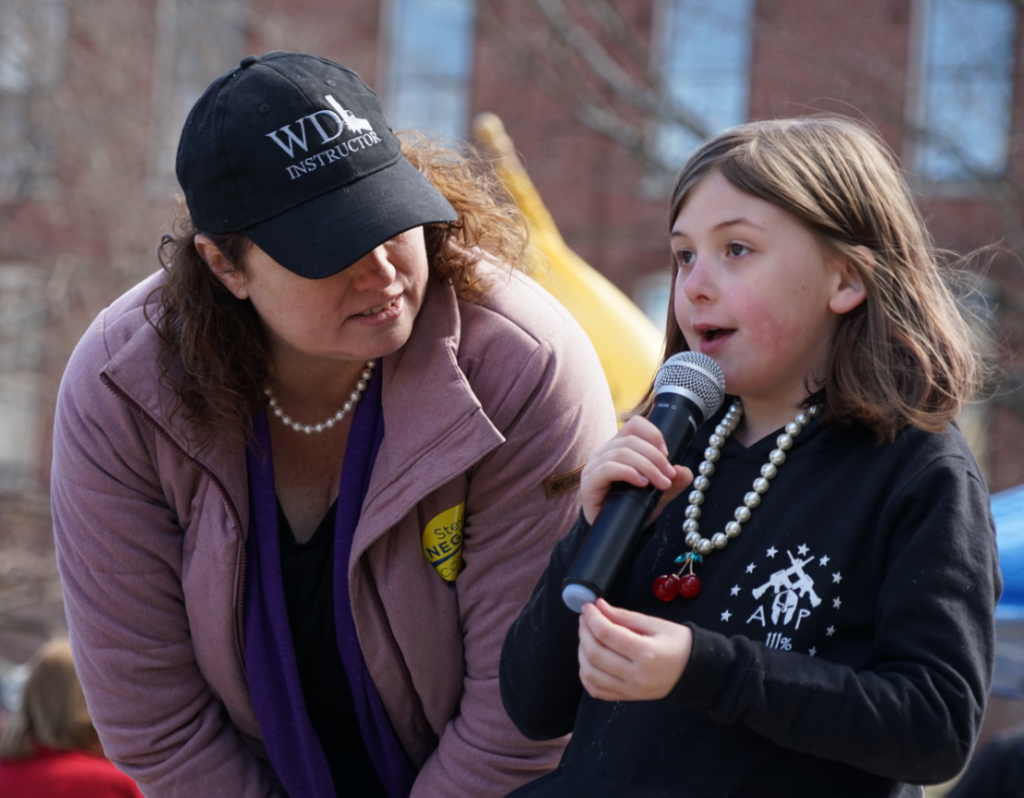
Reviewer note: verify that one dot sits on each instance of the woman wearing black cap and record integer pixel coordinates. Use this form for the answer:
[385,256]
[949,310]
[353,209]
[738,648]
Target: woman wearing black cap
[306,475]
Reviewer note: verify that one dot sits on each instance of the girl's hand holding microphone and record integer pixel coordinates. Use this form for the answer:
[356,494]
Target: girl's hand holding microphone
[637,455]
[624,655]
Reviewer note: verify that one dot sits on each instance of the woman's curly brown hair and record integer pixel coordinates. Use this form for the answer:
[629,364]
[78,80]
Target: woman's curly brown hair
[215,357]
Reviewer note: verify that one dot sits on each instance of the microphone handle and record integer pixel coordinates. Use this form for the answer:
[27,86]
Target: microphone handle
[628,508]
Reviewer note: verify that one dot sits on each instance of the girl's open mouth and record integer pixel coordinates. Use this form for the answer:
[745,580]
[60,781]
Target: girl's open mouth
[713,338]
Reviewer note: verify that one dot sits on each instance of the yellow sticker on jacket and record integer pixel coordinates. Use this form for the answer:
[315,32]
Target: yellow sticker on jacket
[442,541]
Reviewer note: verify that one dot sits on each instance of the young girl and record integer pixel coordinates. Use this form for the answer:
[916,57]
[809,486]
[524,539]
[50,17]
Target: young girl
[834,634]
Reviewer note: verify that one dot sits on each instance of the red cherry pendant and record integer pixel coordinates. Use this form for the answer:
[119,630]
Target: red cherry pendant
[666,587]
[689,586]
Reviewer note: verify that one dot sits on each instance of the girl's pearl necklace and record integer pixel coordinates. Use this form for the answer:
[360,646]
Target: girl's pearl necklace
[353,399]
[668,586]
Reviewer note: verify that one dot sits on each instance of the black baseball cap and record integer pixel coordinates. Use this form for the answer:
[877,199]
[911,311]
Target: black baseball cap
[294,151]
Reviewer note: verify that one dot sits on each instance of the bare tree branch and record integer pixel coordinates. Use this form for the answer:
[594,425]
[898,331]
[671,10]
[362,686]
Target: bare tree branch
[638,49]
[623,86]
[569,64]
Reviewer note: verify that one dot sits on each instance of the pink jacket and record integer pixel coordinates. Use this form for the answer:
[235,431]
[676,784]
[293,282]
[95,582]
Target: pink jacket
[491,404]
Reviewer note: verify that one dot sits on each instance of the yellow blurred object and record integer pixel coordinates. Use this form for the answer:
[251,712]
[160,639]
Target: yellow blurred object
[627,342]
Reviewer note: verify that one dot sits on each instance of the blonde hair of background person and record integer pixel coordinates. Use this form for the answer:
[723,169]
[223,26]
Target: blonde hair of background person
[52,712]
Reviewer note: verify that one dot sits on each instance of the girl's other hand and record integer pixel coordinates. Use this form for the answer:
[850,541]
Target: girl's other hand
[636,455]
[629,656]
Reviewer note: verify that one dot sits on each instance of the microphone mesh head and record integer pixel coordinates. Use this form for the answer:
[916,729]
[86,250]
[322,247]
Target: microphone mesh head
[697,375]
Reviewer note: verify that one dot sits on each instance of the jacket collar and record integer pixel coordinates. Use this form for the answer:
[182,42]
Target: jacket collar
[434,425]
[133,372]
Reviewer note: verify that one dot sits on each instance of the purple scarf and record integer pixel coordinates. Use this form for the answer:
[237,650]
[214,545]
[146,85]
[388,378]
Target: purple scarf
[271,670]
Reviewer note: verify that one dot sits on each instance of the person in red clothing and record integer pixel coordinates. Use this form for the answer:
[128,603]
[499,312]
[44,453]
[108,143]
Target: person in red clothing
[49,748]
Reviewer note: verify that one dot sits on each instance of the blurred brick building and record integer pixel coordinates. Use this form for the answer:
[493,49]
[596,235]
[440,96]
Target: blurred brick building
[92,96]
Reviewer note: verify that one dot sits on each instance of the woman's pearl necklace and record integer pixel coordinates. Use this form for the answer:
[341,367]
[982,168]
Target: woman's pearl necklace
[668,586]
[353,399]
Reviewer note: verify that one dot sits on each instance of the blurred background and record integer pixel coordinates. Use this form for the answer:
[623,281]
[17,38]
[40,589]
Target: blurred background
[602,100]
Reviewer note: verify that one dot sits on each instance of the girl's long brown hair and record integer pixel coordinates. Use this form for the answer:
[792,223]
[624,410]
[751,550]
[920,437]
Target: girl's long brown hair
[214,355]
[907,355]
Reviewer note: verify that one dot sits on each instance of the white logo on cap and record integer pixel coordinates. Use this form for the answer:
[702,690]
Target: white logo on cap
[352,122]
[343,120]
[342,117]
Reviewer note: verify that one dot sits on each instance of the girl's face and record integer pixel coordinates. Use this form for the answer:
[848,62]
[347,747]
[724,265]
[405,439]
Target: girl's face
[758,293]
[363,312]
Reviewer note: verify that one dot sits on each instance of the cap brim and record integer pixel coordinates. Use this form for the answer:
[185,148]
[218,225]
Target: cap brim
[331,232]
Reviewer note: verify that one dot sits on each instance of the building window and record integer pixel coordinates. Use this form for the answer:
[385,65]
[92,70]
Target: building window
[430,58]
[705,61]
[965,72]
[704,49]
[32,36]
[196,42]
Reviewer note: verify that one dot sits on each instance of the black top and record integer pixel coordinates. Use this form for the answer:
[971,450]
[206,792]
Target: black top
[843,644]
[307,570]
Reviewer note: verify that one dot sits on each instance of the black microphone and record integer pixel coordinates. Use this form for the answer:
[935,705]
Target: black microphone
[688,388]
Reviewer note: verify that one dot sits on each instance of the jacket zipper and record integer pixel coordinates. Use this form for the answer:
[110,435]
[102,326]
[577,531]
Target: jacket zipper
[421,715]
[240,567]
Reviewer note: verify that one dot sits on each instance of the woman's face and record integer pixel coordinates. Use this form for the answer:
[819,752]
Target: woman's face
[361,313]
